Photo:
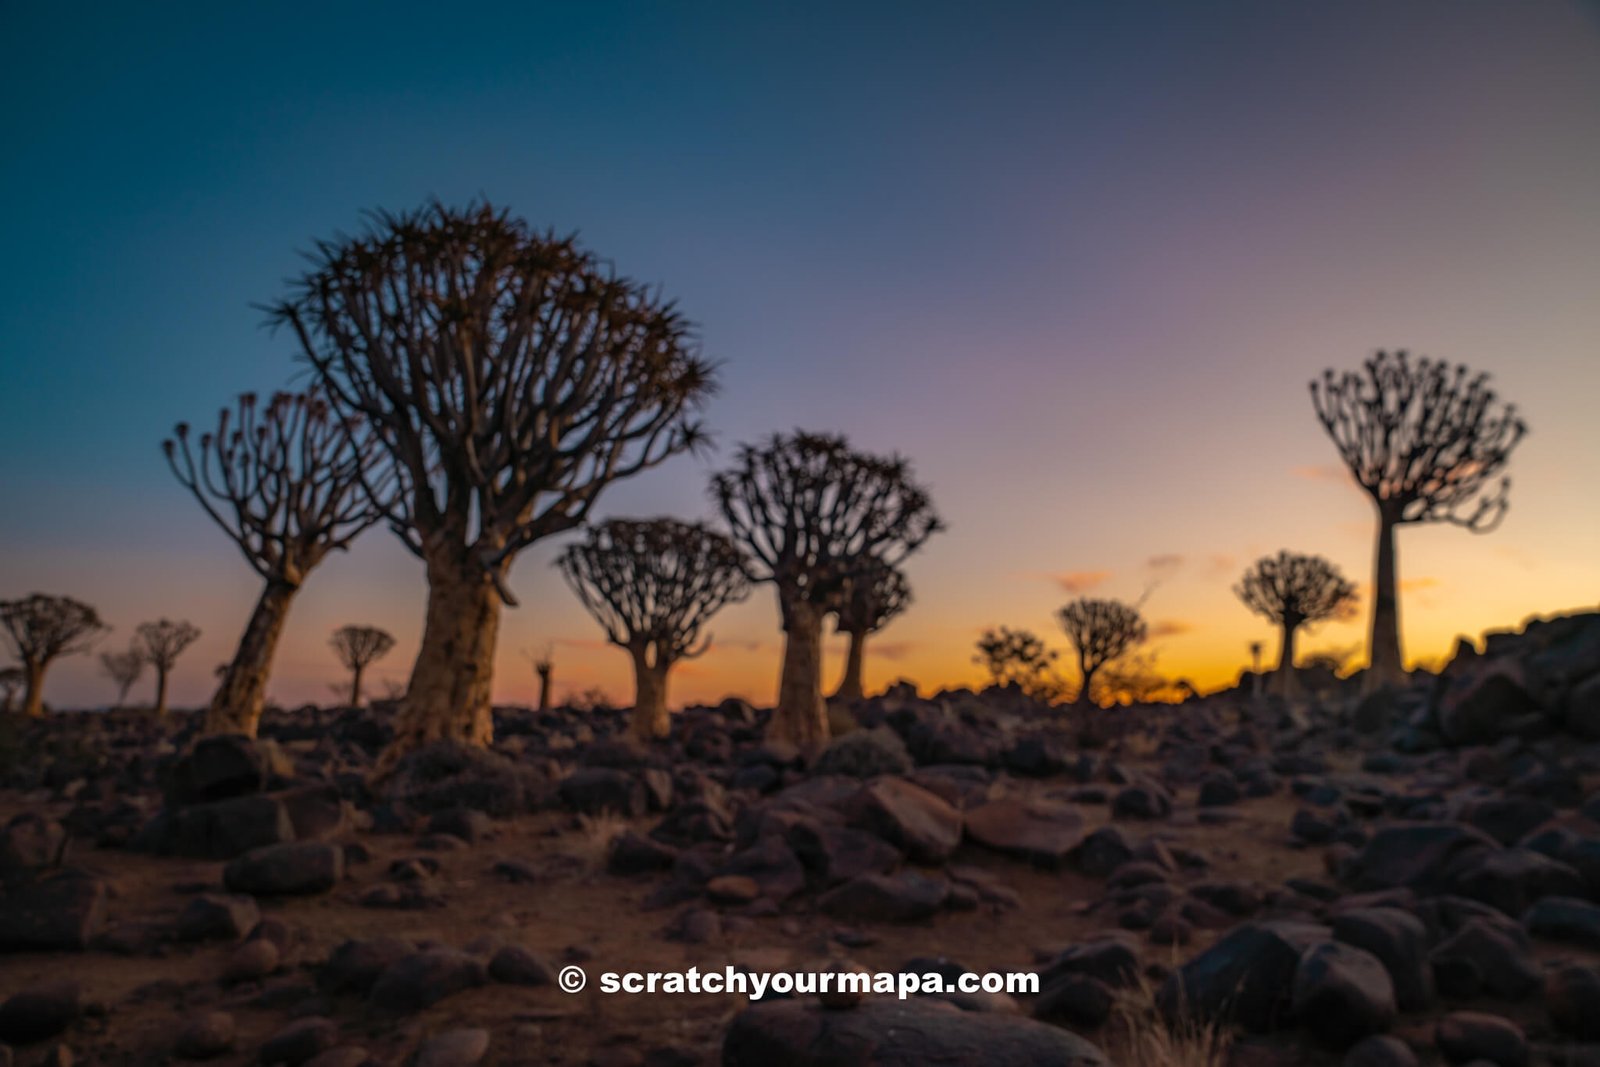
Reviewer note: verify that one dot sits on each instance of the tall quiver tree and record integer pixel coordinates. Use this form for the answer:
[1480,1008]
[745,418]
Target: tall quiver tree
[511,377]
[1100,631]
[871,600]
[1294,590]
[41,629]
[1428,442]
[812,512]
[652,586]
[358,647]
[288,483]
[159,644]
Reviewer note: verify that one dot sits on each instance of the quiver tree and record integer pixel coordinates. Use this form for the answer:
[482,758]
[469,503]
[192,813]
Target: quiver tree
[42,628]
[871,599]
[1292,591]
[288,483]
[652,586]
[160,644]
[1100,631]
[544,665]
[1019,658]
[11,680]
[1428,443]
[124,669]
[812,513]
[511,377]
[357,647]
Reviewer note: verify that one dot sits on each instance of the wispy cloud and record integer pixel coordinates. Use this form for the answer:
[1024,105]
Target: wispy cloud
[1165,563]
[1076,582]
[1222,563]
[1169,628]
[894,651]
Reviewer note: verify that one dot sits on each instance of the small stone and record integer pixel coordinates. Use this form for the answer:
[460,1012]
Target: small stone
[205,1036]
[250,961]
[453,1048]
[300,1041]
[1465,1036]
[35,1014]
[733,889]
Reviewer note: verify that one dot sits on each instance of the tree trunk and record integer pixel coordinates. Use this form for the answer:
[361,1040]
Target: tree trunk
[1085,700]
[448,697]
[122,695]
[33,703]
[1384,665]
[161,692]
[1288,682]
[850,686]
[355,685]
[801,716]
[544,690]
[650,720]
[236,706]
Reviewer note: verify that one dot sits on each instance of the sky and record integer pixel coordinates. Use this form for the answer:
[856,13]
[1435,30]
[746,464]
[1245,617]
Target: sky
[1077,261]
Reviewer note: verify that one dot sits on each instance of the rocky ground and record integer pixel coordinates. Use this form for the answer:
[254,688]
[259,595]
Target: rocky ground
[1406,878]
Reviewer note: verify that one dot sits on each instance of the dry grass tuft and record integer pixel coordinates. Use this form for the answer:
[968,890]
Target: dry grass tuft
[1139,1035]
[596,833]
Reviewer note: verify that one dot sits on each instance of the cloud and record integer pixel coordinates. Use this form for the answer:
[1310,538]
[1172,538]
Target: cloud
[1222,563]
[1169,628]
[1080,581]
[1165,562]
[894,651]
[1415,585]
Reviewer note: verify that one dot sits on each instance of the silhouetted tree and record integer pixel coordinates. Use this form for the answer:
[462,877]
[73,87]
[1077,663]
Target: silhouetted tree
[160,644]
[41,629]
[1100,631]
[544,665]
[812,512]
[512,377]
[356,647]
[871,600]
[652,585]
[124,669]
[11,680]
[1020,658]
[1426,441]
[289,483]
[1294,590]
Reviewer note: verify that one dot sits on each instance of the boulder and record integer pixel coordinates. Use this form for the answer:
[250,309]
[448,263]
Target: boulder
[64,911]
[833,854]
[215,916]
[1469,1036]
[1479,701]
[1380,1050]
[895,1033]
[865,754]
[1512,879]
[205,1036]
[1483,957]
[301,868]
[907,816]
[593,790]
[218,767]
[36,1014]
[424,978]
[354,966]
[299,1041]
[449,774]
[219,830]
[1046,835]
[1247,976]
[1342,994]
[28,843]
[1566,920]
[893,898]
[1419,856]
[453,1048]
[1572,994]
[1400,942]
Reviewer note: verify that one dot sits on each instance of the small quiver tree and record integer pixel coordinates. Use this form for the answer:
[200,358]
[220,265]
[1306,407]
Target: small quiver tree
[652,586]
[873,596]
[1100,631]
[358,647]
[11,680]
[811,511]
[124,669]
[160,644]
[1294,590]
[40,629]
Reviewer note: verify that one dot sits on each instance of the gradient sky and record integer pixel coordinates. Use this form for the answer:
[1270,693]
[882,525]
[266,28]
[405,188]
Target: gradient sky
[1078,261]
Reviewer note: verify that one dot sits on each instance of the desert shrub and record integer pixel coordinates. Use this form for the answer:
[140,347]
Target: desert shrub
[865,754]
[448,774]
[1139,1035]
